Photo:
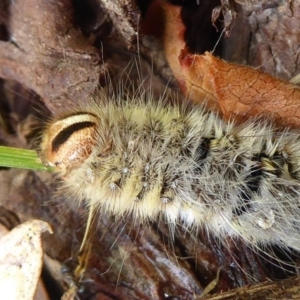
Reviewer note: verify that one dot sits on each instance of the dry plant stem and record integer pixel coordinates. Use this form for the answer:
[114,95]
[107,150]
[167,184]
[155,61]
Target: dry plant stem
[47,54]
[285,289]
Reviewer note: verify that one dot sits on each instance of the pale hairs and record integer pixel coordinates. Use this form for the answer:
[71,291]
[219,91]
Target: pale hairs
[143,157]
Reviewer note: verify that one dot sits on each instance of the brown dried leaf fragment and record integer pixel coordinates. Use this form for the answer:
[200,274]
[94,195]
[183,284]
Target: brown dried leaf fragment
[240,91]
[21,258]
[173,39]
[234,90]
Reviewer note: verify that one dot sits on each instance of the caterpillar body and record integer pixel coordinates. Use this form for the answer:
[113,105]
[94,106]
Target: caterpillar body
[145,158]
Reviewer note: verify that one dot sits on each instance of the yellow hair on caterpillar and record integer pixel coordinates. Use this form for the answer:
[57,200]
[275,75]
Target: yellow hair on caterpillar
[145,158]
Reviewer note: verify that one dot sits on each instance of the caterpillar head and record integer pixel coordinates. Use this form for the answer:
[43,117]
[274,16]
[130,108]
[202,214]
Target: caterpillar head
[69,141]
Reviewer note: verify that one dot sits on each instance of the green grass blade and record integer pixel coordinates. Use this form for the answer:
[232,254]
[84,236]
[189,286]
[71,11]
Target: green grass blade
[21,158]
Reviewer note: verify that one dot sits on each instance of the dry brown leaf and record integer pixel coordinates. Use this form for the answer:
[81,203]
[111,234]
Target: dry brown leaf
[21,258]
[173,39]
[240,90]
[232,89]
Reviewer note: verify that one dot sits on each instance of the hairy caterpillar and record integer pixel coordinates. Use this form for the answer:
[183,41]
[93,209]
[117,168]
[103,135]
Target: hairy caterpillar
[147,158]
